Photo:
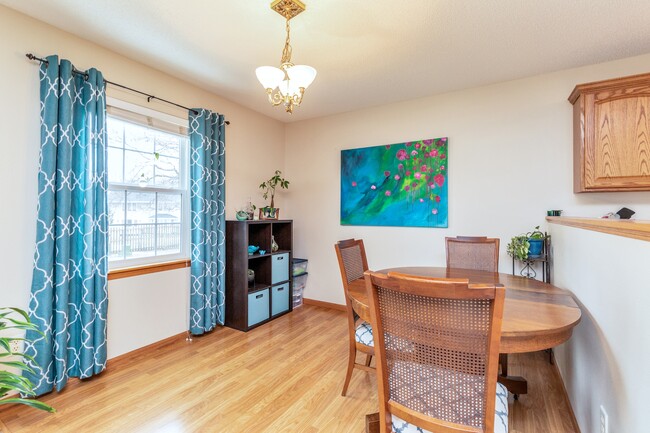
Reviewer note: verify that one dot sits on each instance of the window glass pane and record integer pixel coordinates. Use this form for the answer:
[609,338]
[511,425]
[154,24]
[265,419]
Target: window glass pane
[116,207]
[115,242]
[140,240]
[115,132]
[114,165]
[140,207]
[169,239]
[169,208]
[167,172]
[168,144]
[138,167]
[138,137]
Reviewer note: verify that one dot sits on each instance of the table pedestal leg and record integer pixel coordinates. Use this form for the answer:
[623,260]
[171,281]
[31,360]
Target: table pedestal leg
[516,384]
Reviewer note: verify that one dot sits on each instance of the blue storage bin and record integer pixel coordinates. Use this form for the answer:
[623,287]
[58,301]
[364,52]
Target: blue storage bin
[279,299]
[279,268]
[258,307]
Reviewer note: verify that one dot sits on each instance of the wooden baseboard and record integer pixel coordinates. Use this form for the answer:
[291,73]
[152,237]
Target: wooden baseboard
[566,396]
[145,351]
[324,304]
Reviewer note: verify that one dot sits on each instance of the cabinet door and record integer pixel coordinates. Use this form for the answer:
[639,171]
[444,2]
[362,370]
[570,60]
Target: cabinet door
[621,143]
[258,307]
[280,268]
[279,299]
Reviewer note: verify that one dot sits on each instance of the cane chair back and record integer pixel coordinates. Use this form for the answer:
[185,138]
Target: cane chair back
[351,255]
[437,348]
[473,252]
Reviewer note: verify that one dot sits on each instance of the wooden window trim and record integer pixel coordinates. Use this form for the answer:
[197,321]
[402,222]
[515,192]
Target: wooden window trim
[627,228]
[116,274]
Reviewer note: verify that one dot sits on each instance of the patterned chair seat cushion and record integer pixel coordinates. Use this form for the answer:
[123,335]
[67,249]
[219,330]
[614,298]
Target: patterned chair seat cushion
[451,388]
[363,334]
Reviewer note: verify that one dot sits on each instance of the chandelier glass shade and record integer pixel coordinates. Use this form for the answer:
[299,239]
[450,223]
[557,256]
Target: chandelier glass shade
[286,85]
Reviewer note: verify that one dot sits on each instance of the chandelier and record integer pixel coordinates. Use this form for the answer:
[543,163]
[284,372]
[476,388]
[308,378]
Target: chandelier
[286,85]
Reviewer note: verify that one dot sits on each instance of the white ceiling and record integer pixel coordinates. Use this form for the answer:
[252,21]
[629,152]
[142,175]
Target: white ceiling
[366,52]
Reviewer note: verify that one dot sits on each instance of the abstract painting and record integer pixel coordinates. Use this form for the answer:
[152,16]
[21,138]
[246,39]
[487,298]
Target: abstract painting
[402,184]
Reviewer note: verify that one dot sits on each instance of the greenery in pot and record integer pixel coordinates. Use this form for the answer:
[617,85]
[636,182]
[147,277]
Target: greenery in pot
[518,247]
[268,187]
[522,247]
[11,382]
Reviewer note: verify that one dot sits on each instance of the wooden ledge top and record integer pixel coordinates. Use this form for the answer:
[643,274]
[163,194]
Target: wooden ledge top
[634,229]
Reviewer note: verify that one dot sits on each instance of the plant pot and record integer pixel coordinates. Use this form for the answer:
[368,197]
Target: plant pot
[535,248]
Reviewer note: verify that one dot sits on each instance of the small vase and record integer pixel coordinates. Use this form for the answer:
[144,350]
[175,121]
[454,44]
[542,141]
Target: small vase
[274,245]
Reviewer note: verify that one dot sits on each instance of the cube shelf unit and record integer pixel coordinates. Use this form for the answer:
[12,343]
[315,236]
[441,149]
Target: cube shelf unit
[269,296]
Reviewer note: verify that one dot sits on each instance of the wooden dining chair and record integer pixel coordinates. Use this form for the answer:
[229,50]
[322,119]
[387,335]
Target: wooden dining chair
[473,252]
[351,255]
[437,349]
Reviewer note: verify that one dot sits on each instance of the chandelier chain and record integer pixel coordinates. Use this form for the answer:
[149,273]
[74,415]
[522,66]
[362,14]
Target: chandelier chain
[286,52]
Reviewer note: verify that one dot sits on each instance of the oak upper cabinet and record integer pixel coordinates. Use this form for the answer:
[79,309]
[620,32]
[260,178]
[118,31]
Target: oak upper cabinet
[611,133]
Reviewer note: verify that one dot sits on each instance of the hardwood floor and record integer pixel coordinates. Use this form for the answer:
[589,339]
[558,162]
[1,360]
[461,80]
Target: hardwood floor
[285,376]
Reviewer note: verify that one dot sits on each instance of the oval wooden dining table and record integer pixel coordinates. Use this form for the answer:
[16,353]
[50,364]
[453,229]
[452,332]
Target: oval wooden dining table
[536,315]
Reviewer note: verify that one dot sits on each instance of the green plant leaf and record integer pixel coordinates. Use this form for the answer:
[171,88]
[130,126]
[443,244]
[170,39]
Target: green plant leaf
[29,402]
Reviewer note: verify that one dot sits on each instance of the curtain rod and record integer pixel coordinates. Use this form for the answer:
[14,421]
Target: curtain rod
[30,56]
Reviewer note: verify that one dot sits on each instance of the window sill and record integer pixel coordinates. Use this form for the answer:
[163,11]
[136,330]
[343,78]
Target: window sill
[634,229]
[116,274]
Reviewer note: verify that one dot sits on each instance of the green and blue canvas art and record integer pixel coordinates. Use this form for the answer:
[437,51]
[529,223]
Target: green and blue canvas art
[402,184]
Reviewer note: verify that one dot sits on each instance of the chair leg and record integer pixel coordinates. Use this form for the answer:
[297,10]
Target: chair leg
[351,360]
[368,359]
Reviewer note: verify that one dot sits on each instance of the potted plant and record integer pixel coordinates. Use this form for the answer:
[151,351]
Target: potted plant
[526,246]
[11,382]
[536,241]
[268,188]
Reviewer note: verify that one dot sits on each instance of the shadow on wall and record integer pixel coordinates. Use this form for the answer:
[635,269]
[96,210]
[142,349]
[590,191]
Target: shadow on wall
[587,352]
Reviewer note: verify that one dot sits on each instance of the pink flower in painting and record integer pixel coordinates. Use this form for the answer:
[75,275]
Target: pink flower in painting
[396,177]
[408,144]
[406,188]
[373,187]
[421,200]
[408,172]
[442,156]
[442,167]
[432,185]
[387,193]
[400,167]
[414,152]
[417,145]
[437,199]
[417,175]
[354,184]
[423,168]
[443,139]
[414,184]
[401,154]
[387,173]
[434,153]
[435,211]
[427,141]
[439,179]
[388,146]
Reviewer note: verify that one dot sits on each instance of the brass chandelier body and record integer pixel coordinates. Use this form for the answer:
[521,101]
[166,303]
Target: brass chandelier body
[286,85]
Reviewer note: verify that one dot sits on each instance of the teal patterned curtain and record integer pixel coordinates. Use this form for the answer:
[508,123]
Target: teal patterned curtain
[68,297]
[208,198]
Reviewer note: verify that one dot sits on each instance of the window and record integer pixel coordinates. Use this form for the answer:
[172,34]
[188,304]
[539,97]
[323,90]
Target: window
[148,204]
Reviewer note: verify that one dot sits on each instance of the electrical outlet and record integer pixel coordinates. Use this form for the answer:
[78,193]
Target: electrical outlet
[604,421]
[15,345]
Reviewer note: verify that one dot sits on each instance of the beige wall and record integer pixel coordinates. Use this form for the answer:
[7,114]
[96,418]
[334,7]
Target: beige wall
[510,159]
[606,361]
[255,147]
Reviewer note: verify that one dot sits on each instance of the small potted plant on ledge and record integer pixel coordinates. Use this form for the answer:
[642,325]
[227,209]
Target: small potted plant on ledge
[268,188]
